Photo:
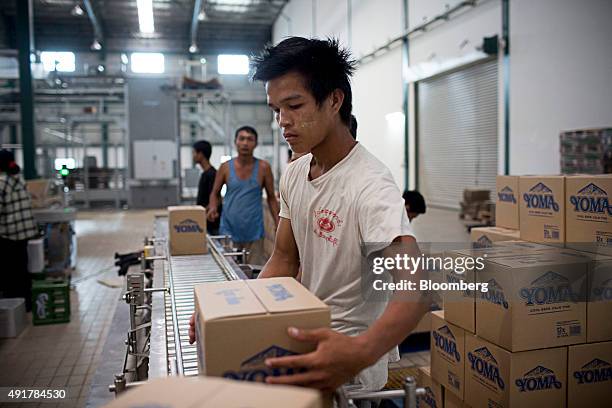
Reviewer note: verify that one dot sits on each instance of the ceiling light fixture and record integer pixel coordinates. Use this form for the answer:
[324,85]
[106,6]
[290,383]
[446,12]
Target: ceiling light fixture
[201,15]
[77,10]
[193,48]
[145,16]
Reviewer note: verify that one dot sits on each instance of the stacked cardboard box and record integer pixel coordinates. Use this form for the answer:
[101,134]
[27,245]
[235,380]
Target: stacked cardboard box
[533,301]
[542,209]
[460,305]
[599,293]
[587,151]
[507,202]
[484,237]
[476,204]
[495,377]
[589,375]
[589,213]
[447,354]
[434,396]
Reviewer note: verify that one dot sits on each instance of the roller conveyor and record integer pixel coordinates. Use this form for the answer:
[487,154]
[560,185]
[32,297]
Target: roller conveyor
[180,275]
[172,304]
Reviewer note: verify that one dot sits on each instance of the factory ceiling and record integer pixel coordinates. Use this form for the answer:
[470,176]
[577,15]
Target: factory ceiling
[217,26]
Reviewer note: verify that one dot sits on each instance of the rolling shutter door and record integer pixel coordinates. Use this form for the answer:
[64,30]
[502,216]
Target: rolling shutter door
[457,133]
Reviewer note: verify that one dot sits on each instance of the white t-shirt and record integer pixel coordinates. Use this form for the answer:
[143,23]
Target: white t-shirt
[355,202]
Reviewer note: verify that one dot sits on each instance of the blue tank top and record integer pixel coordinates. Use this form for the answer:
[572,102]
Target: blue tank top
[242,215]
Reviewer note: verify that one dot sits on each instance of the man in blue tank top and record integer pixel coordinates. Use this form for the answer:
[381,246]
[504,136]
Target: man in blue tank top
[242,215]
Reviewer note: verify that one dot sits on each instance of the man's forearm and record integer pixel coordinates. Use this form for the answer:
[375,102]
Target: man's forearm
[395,324]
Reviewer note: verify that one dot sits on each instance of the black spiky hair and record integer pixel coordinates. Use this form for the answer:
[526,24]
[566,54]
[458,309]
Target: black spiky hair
[324,65]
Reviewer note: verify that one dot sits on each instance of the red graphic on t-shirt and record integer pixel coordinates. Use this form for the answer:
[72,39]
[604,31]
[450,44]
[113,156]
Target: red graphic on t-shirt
[326,224]
[327,221]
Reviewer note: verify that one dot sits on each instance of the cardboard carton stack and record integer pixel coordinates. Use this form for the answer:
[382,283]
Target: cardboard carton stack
[476,205]
[507,202]
[485,237]
[541,334]
[587,151]
[588,217]
[542,209]
[434,396]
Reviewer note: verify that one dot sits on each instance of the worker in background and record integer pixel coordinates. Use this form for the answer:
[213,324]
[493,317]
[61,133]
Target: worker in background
[201,155]
[242,215]
[17,226]
[414,203]
[334,200]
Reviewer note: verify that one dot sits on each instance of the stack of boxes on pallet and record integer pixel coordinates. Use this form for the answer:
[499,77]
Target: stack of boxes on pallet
[587,151]
[541,336]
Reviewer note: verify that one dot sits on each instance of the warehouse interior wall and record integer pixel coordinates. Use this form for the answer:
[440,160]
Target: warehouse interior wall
[556,36]
[377,84]
[545,36]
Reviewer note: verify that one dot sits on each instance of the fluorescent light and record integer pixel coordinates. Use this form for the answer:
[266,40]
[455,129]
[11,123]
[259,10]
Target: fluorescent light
[233,64]
[63,61]
[147,63]
[145,16]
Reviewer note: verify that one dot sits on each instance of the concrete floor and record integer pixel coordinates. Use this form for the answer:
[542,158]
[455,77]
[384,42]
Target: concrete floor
[67,355]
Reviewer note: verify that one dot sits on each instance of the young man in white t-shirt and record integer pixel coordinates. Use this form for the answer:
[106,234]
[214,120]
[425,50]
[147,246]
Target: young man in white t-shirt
[334,199]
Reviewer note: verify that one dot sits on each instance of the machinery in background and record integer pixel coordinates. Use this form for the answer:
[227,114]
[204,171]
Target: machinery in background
[57,223]
[586,151]
[153,131]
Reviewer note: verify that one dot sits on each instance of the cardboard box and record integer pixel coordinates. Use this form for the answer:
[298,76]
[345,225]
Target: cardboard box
[589,375]
[447,354]
[527,246]
[484,237]
[588,216]
[182,392]
[241,323]
[507,202]
[495,377]
[434,396]
[187,230]
[452,401]
[542,209]
[460,308]
[534,301]
[424,325]
[599,294]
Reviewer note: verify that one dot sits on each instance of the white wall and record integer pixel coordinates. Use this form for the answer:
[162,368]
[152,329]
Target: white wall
[446,45]
[560,76]
[377,85]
